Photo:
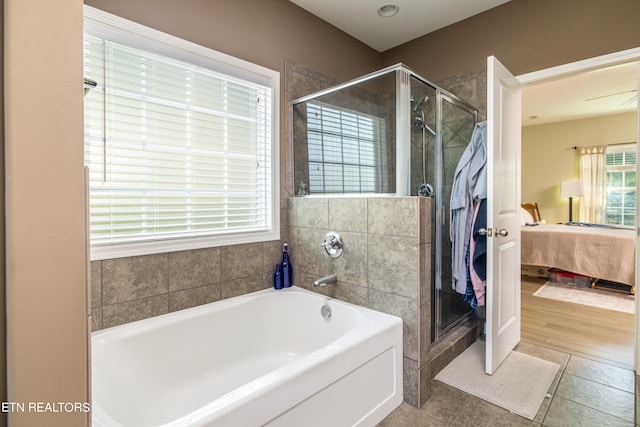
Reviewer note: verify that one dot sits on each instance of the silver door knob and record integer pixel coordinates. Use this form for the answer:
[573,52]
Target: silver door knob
[485,232]
[502,232]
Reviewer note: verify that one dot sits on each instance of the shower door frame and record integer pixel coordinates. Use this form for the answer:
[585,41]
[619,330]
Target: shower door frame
[439,216]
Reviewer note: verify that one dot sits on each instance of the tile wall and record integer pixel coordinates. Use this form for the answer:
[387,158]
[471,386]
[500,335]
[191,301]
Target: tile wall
[124,290]
[385,264]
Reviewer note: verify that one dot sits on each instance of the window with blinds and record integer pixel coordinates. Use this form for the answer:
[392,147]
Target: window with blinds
[342,147]
[175,151]
[621,187]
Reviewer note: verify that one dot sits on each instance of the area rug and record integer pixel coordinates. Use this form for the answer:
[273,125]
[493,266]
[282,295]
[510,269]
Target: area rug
[519,384]
[587,296]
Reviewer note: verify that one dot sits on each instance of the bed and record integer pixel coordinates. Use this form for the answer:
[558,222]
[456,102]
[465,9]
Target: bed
[594,251]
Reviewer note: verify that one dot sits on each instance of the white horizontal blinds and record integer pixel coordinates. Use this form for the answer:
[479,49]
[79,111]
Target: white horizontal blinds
[621,196]
[342,148]
[174,149]
[620,158]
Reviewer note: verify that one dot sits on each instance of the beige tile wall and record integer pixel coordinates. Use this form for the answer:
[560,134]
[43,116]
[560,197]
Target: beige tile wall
[127,289]
[385,264]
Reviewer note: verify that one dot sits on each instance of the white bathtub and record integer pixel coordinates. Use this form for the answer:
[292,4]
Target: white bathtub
[266,358]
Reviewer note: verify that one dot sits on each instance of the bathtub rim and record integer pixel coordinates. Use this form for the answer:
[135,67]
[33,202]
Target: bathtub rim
[131,328]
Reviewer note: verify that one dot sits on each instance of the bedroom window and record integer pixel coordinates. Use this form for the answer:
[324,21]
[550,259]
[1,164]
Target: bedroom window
[621,185]
[342,149]
[180,143]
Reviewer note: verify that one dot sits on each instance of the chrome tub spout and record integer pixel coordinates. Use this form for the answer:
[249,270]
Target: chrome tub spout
[325,281]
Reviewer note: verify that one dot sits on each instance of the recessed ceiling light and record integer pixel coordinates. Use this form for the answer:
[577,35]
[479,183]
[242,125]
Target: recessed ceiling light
[388,10]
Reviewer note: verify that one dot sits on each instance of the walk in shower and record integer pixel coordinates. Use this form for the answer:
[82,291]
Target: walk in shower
[390,132]
[441,128]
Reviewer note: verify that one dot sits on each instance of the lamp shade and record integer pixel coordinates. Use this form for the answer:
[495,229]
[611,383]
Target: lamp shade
[571,189]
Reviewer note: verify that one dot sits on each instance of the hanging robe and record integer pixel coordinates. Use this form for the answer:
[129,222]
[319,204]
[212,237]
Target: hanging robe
[469,184]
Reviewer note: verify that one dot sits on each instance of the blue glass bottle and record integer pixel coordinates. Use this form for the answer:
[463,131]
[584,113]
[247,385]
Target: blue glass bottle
[277,277]
[287,268]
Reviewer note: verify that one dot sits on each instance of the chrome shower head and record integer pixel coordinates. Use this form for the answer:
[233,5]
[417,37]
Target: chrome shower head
[418,115]
[417,107]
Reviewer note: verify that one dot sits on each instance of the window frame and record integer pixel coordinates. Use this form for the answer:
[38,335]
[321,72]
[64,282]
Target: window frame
[127,32]
[621,148]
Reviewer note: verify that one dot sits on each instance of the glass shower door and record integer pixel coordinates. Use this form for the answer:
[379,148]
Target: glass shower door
[456,122]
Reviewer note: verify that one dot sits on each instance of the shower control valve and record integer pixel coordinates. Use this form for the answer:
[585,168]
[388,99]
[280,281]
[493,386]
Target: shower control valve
[332,244]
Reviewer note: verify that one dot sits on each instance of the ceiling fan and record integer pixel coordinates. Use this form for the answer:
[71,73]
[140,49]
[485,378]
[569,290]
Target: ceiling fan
[633,98]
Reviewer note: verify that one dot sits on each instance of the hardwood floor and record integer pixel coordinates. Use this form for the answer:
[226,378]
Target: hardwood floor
[590,332]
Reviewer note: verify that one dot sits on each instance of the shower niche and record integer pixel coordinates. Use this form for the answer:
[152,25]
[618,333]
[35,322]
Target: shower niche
[394,133]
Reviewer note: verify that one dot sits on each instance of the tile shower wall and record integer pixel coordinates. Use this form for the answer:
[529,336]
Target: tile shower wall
[385,264]
[471,88]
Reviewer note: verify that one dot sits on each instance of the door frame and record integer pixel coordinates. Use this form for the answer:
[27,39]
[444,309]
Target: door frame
[560,71]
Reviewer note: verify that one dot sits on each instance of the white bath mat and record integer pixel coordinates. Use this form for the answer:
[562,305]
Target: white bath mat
[587,296]
[519,384]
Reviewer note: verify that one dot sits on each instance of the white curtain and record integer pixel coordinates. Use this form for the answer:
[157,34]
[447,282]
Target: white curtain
[593,176]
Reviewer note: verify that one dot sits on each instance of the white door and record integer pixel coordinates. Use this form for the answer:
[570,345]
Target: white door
[503,214]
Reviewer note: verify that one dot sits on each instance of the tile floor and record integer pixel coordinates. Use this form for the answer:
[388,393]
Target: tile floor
[585,393]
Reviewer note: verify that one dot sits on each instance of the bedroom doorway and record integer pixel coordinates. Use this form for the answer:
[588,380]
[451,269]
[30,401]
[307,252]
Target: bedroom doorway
[597,63]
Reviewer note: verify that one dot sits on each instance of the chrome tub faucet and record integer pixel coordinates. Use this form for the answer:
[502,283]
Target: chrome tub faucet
[325,281]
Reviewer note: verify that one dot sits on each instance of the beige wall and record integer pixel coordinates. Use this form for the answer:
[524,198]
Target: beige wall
[3,329]
[548,159]
[45,216]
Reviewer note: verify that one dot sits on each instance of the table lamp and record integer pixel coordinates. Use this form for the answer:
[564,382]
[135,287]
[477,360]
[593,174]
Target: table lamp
[571,189]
